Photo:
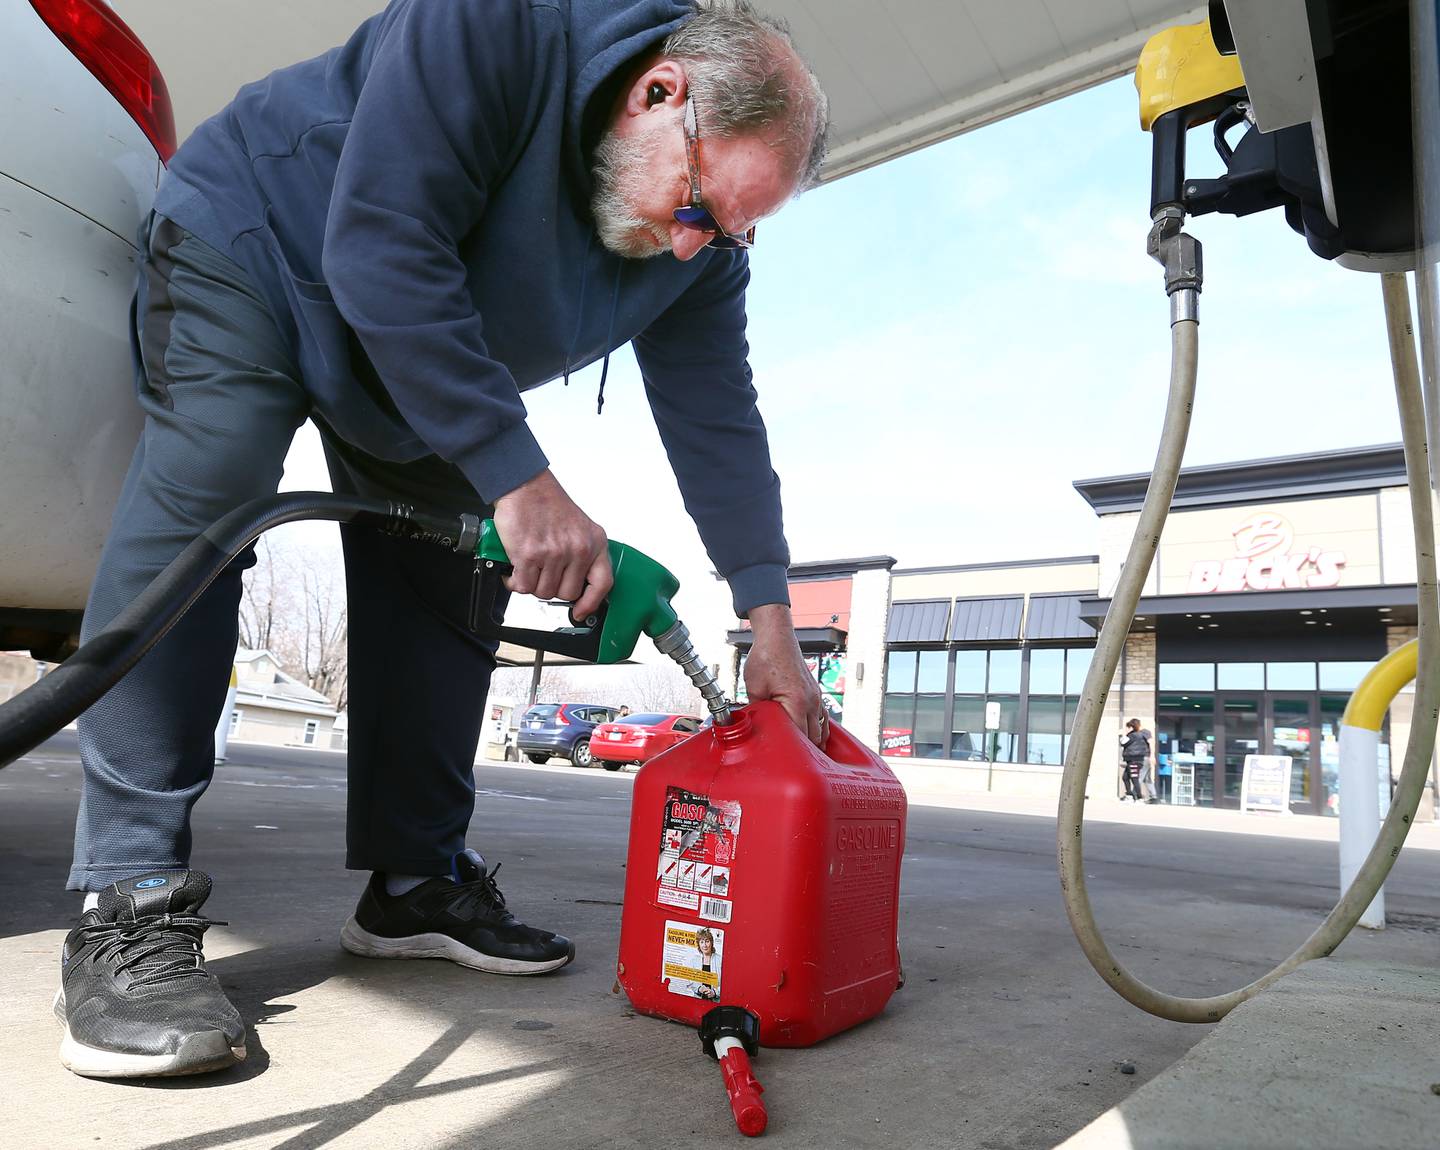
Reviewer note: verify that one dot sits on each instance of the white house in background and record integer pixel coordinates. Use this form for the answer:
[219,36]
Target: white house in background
[275,708]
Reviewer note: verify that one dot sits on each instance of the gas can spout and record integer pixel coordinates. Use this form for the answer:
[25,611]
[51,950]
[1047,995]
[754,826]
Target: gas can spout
[730,1034]
[676,643]
[742,1087]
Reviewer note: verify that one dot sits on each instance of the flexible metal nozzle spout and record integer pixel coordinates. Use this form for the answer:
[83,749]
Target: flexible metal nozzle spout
[676,643]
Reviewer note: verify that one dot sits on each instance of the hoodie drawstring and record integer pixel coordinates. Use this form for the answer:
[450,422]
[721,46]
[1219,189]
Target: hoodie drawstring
[580,322]
[580,309]
[609,335]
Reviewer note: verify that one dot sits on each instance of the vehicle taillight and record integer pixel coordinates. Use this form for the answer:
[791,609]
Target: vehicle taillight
[561,717]
[100,40]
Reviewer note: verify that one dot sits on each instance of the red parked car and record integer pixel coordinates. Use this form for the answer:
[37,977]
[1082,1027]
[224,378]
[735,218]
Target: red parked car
[639,738]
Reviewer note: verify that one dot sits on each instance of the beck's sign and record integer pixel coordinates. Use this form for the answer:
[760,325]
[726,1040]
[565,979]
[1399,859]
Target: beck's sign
[1265,560]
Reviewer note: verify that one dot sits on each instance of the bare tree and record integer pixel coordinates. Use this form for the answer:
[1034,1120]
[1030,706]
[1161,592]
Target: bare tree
[262,600]
[293,605]
[663,688]
[556,686]
[323,655]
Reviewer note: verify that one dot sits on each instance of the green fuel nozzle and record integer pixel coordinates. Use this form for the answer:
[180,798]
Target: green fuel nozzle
[639,603]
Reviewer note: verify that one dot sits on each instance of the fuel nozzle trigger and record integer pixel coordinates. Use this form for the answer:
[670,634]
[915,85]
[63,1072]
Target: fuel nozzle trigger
[638,603]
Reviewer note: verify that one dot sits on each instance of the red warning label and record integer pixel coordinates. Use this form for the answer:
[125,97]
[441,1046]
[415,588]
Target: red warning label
[697,850]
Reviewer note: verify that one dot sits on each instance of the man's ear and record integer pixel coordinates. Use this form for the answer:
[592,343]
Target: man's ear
[662,85]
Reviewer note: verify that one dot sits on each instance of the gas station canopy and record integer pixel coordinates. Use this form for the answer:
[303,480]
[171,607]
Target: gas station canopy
[906,73]
[900,74]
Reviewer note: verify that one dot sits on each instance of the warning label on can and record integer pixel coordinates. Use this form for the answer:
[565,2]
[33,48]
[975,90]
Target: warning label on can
[697,850]
[691,960]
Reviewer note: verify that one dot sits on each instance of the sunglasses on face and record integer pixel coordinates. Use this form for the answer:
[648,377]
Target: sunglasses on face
[695,215]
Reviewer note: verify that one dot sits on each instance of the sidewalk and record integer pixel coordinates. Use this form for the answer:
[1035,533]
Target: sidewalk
[929,787]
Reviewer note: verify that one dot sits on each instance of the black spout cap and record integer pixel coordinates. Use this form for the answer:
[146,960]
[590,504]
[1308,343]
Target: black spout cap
[730,1022]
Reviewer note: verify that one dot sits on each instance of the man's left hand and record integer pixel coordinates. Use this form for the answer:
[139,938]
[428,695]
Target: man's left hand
[776,670]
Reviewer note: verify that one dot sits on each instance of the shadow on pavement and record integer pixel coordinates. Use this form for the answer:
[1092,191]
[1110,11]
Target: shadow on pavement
[327,1123]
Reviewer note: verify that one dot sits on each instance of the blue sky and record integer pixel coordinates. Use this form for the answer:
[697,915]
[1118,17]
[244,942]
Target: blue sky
[944,342]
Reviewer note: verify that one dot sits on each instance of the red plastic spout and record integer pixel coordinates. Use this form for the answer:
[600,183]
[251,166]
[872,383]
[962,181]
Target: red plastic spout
[744,1090]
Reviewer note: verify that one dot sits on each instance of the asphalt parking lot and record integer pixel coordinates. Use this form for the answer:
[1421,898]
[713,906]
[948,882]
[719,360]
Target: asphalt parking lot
[1002,1038]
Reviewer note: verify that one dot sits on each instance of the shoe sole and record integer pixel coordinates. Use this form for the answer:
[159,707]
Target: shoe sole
[357,940]
[201,1053]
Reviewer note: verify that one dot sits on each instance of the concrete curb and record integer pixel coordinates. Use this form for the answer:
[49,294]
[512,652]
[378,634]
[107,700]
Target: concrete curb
[1340,1054]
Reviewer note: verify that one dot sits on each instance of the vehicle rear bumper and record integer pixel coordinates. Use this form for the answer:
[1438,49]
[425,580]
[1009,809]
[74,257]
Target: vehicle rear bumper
[552,742]
[617,752]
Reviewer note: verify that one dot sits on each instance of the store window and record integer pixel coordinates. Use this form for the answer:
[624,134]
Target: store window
[1290,676]
[1187,676]
[931,670]
[922,687]
[1342,676]
[991,676]
[897,723]
[1240,676]
[1057,676]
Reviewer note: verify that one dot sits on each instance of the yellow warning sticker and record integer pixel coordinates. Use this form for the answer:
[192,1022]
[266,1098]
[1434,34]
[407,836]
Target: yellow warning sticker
[691,960]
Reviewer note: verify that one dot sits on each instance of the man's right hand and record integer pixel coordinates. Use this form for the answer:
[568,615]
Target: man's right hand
[557,551]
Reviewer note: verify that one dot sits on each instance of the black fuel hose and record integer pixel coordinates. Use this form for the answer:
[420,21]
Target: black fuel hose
[41,710]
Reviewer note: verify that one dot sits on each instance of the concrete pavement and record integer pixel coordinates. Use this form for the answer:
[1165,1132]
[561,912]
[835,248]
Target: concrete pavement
[1002,1038]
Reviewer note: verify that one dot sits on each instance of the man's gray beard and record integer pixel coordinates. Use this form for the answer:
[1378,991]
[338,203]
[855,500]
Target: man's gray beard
[619,166]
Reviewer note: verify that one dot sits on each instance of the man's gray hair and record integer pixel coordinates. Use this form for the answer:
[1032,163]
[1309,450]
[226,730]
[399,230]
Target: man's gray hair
[746,77]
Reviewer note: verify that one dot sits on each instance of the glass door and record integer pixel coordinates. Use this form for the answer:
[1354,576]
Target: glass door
[1238,721]
[1291,723]
[1185,749]
[1332,707]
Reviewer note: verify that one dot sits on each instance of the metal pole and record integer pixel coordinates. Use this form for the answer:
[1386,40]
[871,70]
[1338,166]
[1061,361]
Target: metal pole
[535,676]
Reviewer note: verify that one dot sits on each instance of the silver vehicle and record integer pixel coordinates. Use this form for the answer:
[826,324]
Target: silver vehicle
[86,130]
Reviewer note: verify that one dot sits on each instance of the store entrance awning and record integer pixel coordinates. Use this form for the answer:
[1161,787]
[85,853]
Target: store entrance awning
[1393,604]
[812,640]
[1337,619]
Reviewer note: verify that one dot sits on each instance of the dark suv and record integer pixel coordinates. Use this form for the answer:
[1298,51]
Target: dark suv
[548,729]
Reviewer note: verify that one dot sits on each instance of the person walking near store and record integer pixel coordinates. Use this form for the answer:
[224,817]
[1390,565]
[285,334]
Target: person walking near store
[1135,753]
[467,199]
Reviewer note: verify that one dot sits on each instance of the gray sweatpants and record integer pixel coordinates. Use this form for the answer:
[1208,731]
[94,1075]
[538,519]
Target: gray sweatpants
[222,399]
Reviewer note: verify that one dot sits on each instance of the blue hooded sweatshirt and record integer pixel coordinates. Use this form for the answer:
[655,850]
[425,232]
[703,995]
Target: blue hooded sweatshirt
[414,205]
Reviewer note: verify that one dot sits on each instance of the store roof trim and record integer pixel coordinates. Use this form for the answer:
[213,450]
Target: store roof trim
[1352,469]
[1056,617]
[978,620]
[920,622]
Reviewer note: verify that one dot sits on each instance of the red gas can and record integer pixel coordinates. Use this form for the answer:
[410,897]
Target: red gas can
[764,873]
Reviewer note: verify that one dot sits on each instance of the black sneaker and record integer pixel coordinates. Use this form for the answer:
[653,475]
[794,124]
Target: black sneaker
[135,998]
[465,921]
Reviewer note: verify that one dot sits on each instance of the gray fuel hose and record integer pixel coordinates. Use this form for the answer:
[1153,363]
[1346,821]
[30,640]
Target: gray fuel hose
[1110,645]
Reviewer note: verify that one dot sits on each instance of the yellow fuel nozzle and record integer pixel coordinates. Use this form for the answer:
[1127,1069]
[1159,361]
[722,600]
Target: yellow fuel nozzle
[1183,80]
[1180,68]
